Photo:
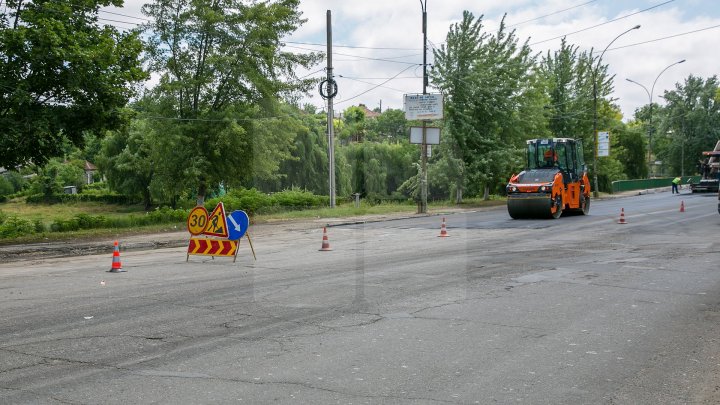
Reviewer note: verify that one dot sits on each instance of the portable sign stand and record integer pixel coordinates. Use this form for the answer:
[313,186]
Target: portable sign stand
[214,224]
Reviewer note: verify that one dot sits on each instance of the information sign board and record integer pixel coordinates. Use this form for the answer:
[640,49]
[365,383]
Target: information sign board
[603,144]
[432,135]
[423,106]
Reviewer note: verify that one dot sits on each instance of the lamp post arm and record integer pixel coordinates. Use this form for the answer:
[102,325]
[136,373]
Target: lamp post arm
[644,88]
[597,66]
[652,90]
[595,140]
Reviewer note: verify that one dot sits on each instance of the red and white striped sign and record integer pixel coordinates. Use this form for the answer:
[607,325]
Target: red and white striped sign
[212,247]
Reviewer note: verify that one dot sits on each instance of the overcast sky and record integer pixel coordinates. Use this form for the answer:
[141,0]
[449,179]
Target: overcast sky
[361,29]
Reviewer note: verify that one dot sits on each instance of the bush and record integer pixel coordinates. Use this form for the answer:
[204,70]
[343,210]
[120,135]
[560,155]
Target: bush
[249,201]
[253,201]
[299,199]
[39,226]
[103,197]
[95,187]
[18,182]
[13,227]
[84,221]
[6,187]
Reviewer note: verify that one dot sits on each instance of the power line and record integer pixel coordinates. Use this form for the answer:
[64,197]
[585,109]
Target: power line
[551,14]
[372,84]
[354,56]
[601,24]
[353,46]
[381,78]
[126,15]
[120,22]
[310,74]
[668,37]
[374,87]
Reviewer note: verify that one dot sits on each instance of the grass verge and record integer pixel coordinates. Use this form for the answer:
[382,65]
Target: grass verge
[48,214]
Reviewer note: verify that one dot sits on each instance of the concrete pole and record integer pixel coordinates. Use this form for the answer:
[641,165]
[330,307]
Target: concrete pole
[330,114]
[422,209]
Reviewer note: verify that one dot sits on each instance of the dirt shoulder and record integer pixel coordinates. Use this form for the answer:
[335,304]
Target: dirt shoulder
[46,250]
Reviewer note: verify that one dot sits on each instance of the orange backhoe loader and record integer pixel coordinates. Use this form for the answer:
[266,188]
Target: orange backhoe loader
[554,181]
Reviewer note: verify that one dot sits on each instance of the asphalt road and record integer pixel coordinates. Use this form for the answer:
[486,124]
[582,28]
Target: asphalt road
[579,310]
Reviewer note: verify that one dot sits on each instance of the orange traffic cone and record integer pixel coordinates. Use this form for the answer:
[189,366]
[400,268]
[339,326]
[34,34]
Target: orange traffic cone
[116,265]
[682,206]
[622,216]
[443,230]
[325,242]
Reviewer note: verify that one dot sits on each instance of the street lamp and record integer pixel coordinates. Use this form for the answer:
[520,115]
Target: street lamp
[595,134]
[650,97]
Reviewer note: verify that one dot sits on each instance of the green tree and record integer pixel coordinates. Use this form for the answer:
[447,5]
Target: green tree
[127,160]
[485,79]
[391,125]
[568,78]
[308,167]
[630,148]
[568,75]
[61,74]
[690,124]
[221,70]
[354,128]
[56,174]
[379,169]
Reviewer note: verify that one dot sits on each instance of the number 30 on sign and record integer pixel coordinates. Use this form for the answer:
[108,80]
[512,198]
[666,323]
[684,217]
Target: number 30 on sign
[197,220]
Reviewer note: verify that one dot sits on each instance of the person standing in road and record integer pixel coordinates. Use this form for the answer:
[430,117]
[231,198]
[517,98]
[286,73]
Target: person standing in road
[675,183]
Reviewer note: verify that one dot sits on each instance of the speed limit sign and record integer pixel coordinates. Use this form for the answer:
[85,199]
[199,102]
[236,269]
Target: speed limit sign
[197,220]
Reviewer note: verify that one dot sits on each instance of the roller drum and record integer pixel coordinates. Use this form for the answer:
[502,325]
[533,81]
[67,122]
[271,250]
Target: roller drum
[530,206]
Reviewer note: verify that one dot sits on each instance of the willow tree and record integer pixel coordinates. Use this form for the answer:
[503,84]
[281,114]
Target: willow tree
[221,71]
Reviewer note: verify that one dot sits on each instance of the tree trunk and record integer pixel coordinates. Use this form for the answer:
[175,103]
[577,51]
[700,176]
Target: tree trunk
[202,190]
[486,194]
[147,199]
[459,193]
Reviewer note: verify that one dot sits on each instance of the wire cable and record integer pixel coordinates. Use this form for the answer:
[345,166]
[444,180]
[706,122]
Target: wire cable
[601,24]
[374,87]
[551,14]
[353,46]
[354,56]
[372,84]
[668,37]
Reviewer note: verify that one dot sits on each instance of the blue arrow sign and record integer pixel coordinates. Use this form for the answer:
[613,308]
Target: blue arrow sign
[238,223]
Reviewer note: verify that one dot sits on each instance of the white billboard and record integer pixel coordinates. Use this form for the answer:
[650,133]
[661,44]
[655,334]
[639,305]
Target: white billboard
[603,144]
[423,106]
[432,135]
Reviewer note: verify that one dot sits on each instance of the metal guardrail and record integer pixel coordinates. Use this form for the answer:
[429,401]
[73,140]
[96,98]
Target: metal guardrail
[642,184]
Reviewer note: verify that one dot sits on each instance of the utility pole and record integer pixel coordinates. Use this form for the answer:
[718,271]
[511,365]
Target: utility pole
[422,209]
[331,90]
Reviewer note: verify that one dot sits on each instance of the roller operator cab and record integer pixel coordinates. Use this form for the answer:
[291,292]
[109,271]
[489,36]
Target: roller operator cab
[555,181]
